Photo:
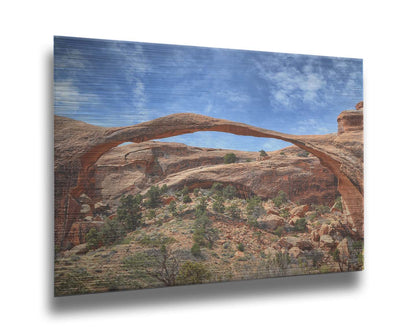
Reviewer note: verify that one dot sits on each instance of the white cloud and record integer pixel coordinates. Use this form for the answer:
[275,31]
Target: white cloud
[310,126]
[294,80]
[233,96]
[68,98]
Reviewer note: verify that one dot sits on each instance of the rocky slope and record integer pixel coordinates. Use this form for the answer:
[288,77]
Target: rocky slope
[288,239]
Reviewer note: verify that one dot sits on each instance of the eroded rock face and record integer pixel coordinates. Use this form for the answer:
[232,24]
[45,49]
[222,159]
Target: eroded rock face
[133,168]
[78,146]
[349,121]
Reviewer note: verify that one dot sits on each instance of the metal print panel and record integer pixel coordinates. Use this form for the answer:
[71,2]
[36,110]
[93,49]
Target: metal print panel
[181,165]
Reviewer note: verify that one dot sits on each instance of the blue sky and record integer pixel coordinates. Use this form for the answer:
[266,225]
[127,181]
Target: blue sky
[114,83]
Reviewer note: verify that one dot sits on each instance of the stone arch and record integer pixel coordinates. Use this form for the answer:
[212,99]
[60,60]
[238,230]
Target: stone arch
[88,143]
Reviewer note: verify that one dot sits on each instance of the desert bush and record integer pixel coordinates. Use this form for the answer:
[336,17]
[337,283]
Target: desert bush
[234,211]
[303,154]
[161,264]
[240,247]
[300,224]
[196,250]
[316,255]
[112,231]
[280,199]
[338,203]
[255,207]
[186,198]
[155,240]
[201,208]
[93,239]
[164,189]
[230,158]
[218,204]
[283,259]
[151,214]
[252,221]
[263,153]
[229,192]
[193,272]
[321,209]
[216,188]
[185,190]
[196,191]
[284,213]
[73,282]
[204,233]
[172,208]
[279,231]
[128,213]
[153,197]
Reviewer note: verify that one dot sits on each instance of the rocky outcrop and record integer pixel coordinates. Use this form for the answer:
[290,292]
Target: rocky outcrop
[78,146]
[122,171]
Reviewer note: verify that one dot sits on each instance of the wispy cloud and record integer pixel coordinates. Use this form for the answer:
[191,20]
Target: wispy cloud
[296,81]
[69,98]
[311,126]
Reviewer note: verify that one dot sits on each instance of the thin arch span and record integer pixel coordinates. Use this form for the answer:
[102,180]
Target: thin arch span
[345,165]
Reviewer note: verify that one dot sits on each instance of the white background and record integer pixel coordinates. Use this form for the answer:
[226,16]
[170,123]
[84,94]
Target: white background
[380,298]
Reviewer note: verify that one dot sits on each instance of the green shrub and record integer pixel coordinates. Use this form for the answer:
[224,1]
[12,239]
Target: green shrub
[338,203]
[164,189]
[300,224]
[255,207]
[284,213]
[279,231]
[252,221]
[201,208]
[263,153]
[185,190]
[151,214]
[218,204]
[234,211]
[321,209]
[230,158]
[186,199]
[196,250]
[283,259]
[240,247]
[193,272]
[112,231]
[280,199]
[128,213]
[153,197]
[172,208]
[204,233]
[216,188]
[73,282]
[196,191]
[93,239]
[316,255]
[336,255]
[229,192]
[312,216]
[303,154]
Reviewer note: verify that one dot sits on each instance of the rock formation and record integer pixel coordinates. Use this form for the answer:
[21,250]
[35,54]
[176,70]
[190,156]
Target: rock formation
[133,168]
[78,147]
